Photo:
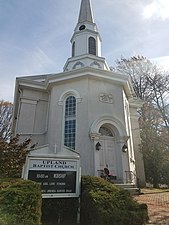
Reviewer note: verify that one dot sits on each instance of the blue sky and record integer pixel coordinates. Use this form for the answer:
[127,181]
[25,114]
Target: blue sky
[35,34]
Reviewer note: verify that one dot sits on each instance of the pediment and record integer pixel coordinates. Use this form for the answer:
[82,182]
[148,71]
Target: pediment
[45,151]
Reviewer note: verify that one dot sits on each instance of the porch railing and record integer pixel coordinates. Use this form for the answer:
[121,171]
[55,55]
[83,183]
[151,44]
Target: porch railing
[131,178]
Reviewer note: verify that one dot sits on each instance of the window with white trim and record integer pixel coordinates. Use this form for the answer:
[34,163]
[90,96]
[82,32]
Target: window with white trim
[70,122]
[92,46]
[73,49]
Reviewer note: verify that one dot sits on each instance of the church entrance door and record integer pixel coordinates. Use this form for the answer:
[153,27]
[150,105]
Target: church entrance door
[107,155]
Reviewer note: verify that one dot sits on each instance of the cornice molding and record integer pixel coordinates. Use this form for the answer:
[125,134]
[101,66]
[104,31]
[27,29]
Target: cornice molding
[86,72]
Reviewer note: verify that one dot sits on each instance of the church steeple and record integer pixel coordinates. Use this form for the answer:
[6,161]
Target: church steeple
[86,42]
[85,12]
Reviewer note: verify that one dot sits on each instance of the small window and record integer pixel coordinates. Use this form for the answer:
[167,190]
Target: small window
[92,46]
[106,131]
[70,122]
[73,49]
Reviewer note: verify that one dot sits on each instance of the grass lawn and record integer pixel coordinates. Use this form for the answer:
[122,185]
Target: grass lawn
[153,190]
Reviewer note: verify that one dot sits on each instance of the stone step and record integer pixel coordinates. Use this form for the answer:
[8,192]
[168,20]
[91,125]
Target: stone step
[126,185]
[131,188]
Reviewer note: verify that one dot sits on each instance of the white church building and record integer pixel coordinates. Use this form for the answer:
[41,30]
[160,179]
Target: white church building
[86,110]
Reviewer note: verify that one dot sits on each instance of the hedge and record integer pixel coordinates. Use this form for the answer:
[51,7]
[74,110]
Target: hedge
[102,203]
[20,202]
[105,204]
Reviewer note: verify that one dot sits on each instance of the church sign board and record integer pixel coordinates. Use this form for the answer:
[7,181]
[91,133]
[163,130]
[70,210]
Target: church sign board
[58,177]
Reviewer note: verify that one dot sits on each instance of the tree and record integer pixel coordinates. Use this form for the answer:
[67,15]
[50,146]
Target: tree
[12,157]
[6,109]
[153,146]
[151,85]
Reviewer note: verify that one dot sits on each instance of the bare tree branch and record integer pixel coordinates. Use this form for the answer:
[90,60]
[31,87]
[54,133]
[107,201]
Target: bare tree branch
[6,109]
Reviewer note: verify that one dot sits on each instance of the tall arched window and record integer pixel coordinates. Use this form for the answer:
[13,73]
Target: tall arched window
[70,122]
[92,46]
[73,49]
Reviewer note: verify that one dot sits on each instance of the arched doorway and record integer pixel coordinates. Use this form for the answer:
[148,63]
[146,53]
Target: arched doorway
[110,156]
[111,134]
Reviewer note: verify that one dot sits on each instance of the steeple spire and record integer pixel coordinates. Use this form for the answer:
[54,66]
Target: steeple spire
[86,13]
[86,42]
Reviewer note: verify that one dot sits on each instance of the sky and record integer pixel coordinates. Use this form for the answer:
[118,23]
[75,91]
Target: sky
[35,34]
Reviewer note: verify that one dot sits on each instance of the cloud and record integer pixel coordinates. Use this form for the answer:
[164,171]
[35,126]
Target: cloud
[7,90]
[157,9]
[40,44]
[162,61]
[38,61]
[34,61]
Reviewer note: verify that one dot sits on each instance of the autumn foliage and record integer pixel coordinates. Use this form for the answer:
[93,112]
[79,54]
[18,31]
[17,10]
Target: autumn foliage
[151,85]
[12,157]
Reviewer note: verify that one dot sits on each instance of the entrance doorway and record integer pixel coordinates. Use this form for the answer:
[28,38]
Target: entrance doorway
[110,155]
[107,153]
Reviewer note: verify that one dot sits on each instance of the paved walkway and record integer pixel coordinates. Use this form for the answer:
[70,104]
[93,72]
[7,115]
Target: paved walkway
[158,207]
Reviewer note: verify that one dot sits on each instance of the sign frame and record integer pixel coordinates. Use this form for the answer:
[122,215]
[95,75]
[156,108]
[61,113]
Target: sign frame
[67,165]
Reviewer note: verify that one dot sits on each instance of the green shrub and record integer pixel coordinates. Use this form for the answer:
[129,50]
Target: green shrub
[105,204]
[20,202]
[3,221]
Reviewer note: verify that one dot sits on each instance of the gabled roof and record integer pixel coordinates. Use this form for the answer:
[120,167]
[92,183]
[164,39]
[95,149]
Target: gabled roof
[85,12]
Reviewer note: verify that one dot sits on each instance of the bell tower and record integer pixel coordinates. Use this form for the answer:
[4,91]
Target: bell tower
[86,42]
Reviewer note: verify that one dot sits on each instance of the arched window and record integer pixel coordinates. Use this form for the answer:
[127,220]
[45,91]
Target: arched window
[70,122]
[73,49]
[92,46]
[106,131]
